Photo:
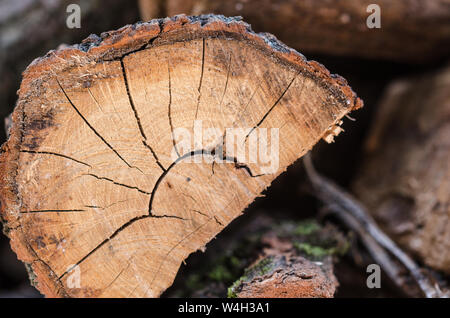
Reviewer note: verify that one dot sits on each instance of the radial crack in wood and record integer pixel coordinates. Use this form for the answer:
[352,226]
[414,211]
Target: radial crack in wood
[107,186]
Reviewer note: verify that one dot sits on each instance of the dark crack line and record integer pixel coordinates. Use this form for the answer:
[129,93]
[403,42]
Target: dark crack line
[201,213]
[246,168]
[130,99]
[161,177]
[226,82]
[92,128]
[143,47]
[56,154]
[240,113]
[95,100]
[19,227]
[237,164]
[106,207]
[165,216]
[212,168]
[52,211]
[154,155]
[217,221]
[119,274]
[149,214]
[192,154]
[129,222]
[169,110]
[176,245]
[272,107]
[114,234]
[136,116]
[189,196]
[299,96]
[117,183]
[201,78]
[65,294]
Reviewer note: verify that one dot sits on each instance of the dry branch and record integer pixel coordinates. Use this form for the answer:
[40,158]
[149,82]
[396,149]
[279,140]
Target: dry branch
[356,216]
[89,179]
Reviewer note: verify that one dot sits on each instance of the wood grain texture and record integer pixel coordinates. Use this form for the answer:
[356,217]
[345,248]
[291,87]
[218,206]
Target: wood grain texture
[89,179]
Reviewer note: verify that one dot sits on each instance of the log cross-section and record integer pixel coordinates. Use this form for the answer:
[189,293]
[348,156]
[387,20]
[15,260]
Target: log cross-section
[107,186]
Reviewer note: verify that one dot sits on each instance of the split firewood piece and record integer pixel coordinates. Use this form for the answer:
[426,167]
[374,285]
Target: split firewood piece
[405,176]
[409,30]
[296,261]
[286,276]
[132,150]
[267,258]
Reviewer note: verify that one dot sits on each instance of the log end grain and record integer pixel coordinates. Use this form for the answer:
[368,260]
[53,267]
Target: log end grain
[92,135]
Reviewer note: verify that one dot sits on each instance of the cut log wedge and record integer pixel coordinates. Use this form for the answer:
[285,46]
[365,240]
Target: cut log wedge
[107,186]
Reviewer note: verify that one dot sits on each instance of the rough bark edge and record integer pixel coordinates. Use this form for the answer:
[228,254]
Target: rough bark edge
[287,276]
[114,45]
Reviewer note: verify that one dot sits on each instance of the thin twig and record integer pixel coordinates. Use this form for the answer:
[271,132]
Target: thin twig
[377,252]
[331,194]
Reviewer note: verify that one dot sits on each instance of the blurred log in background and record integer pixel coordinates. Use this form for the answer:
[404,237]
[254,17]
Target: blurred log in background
[411,30]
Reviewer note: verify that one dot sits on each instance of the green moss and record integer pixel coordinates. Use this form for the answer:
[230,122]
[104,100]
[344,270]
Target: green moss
[232,290]
[231,293]
[235,262]
[220,273]
[263,267]
[342,247]
[235,257]
[320,251]
[31,275]
[230,267]
[307,227]
[311,250]
[193,282]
